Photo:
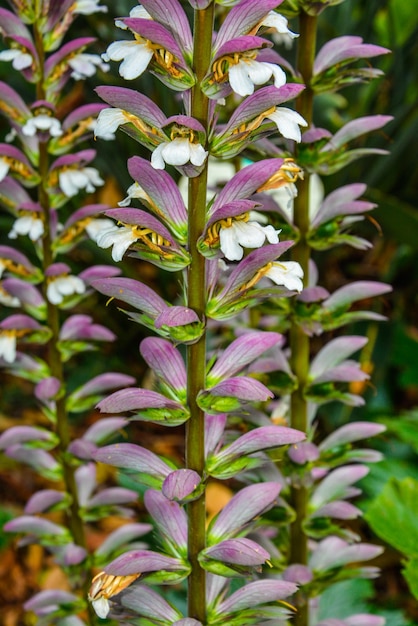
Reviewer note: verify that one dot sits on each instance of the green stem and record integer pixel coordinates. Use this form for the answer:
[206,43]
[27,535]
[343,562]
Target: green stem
[62,428]
[299,341]
[196,353]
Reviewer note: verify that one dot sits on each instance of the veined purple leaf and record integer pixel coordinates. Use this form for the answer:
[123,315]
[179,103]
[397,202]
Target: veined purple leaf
[246,269]
[162,190]
[180,484]
[138,217]
[258,102]
[40,460]
[135,399]
[43,500]
[303,452]
[132,292]
[25,434]
[242,18]
[133,102]
[345,296]
[354,129]
[101,429]
[51,598]
[166,361]
[260,439]
[343,49]
[121,536]
[334,485]
[82,327]
[338,509]
[112,496]
[157,34]
[255,593]
[241,352]
[12,195]
[171,521]
[214,429]
[241,387]
[171,14]
[243,507]
[65,53]
[240,551]
[335,552]
[246,181]
[334,353]
[131,456]
[346,372]
[147,602]
[100,384]
[142,561]
[176,316]
[33,525]
[355,431]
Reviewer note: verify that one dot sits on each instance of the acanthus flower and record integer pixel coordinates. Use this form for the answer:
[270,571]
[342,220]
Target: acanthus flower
[88,7]
[235,68]
[279,24]
[84,65]
[30,223]
[61,284]
[185,147]
[72,181]
[42,122]
[20,58]
[154,45]
[155,242]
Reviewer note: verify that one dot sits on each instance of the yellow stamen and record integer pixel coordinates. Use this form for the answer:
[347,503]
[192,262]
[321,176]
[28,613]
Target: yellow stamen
[212,236]
[289,172]
[258,276]
[105,585]
[221,66]
[15,268]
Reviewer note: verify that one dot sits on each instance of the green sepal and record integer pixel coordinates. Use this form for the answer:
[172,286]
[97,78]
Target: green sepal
[228,469]
[227,570]
[166,417]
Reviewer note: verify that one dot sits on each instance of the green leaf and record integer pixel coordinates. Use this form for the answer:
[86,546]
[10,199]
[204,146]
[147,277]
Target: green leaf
[405,427]
[393,515]
[410,573]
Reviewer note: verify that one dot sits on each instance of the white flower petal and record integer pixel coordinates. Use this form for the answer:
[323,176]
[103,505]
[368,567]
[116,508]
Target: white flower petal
[97,226]
[287,273]
[157,160]
[229,245]
[239,80]
[287,122]
[8,347]
[87,7]
[249,234]
[279,23]
[108,121]
[278,74]
[197,154]
[120,238]
[101,607]
[177,152]
[135,57]
[4,168]
[259,72]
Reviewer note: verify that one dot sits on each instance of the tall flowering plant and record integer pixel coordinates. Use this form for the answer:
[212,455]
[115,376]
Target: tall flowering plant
[233,85]
[230,188]
[45,170]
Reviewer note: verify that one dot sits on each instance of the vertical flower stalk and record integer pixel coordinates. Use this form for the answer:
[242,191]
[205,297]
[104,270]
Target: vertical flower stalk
[197,297]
